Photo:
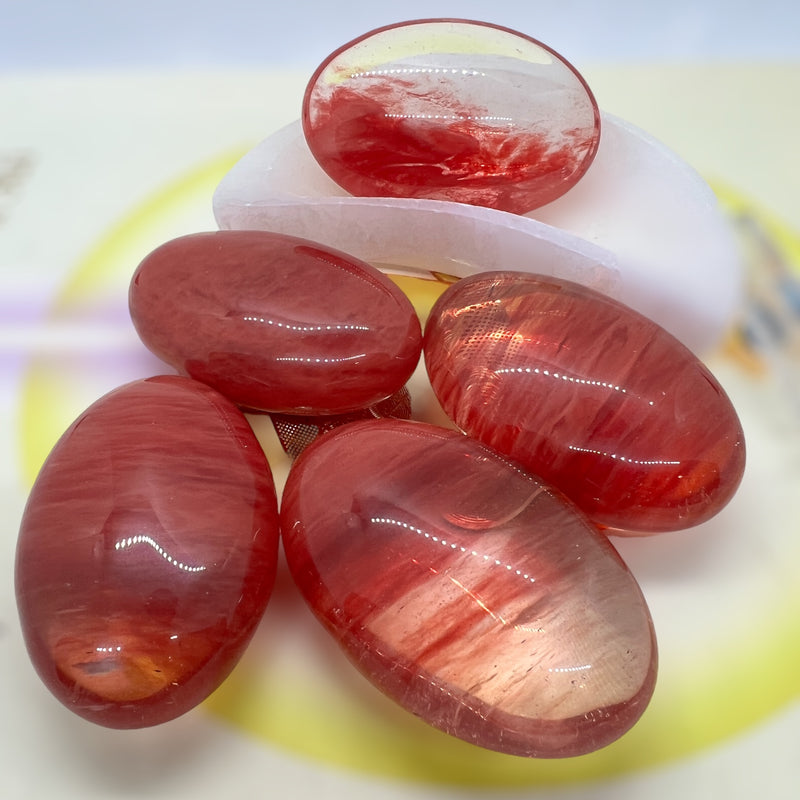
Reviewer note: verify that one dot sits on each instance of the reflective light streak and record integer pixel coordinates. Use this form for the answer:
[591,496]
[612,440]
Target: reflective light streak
[561,376]
[379,73]
[626,459]
[312,360]
[460,117]
[475,307]
[123,544]
[481,604]
[580,668]
[450,545]
[304,328]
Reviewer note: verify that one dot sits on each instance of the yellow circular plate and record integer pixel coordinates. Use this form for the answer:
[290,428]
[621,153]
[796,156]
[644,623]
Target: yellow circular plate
[724,602]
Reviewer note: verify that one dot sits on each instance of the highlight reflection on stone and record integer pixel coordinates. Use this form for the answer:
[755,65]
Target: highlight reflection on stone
[147,552]
[451,110]
[467,590]
[590,395]
[276,323]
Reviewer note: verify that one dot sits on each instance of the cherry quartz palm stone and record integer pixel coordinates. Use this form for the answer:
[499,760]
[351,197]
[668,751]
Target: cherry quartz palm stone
[590,395]
[467,590]
[276,323]
[147,552]
[451,110]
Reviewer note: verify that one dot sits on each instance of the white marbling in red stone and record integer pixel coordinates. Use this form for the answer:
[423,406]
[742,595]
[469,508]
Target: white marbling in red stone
[451,109]
[467,590]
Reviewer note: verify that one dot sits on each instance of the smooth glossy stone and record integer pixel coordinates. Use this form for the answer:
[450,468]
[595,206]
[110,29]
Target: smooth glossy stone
[147,552]
[296,432]
[467,590]
[274,322]
[452,110]
[588,394]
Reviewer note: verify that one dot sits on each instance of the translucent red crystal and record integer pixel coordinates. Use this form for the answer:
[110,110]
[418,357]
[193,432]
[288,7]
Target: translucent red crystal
[467,590]
[590,395]
[276,323]
[451,110]
[147,552]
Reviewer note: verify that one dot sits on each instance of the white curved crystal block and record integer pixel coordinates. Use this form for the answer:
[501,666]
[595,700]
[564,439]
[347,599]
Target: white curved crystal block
[278,186]
[641,225]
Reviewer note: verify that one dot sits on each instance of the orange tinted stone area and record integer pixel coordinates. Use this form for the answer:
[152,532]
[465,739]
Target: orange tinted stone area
[451,110]
[147,552]
[590,395]
[467,590]
[276,323]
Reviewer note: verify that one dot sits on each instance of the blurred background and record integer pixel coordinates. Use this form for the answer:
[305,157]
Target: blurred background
[89,34]
[117,120]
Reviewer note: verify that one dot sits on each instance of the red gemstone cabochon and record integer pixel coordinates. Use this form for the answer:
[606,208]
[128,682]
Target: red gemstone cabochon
[467,590]
[147,552]
[588,394]
[276,323]
[451,110]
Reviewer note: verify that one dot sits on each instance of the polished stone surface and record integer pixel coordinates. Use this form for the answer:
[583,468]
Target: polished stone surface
[147,552]
[588,394]
[468,591]
[274,322]
[451,110]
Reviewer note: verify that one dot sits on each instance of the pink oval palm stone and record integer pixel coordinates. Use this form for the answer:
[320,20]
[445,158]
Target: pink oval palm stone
[147,552]
[276,323]
[451,110]
[467,590]
[588,394]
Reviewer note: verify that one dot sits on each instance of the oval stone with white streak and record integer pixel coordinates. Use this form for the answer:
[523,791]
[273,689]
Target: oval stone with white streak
[467,590]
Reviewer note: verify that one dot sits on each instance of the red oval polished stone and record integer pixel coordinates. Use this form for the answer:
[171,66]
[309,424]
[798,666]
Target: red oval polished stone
[590,395]
[451,110]
[467,590]
[276,323]
[147,552]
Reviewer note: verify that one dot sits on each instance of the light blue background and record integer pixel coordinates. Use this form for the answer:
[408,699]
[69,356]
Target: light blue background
[70,34]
